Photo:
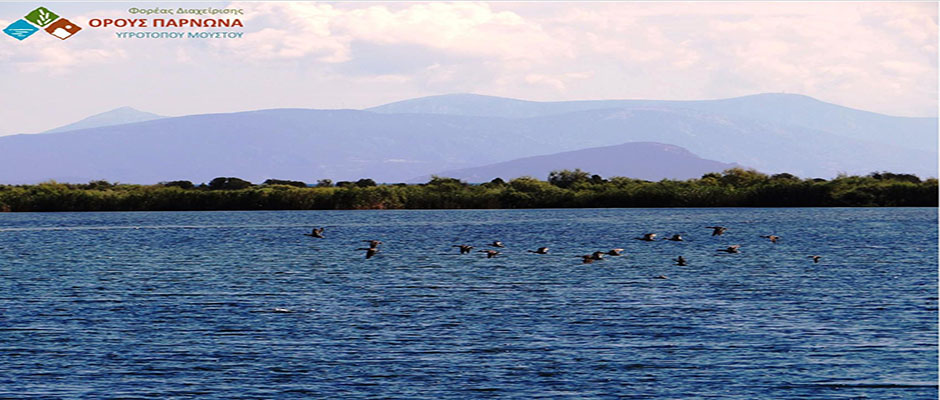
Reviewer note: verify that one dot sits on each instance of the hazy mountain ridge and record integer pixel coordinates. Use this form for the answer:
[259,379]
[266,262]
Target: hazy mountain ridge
[118,116]
[641,160]
[911,132]
[303,144]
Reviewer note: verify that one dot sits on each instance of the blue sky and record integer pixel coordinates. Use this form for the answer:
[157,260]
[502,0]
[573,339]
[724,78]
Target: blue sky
[880,57]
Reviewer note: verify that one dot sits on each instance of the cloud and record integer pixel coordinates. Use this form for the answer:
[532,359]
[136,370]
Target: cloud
[326,33]
[875,56]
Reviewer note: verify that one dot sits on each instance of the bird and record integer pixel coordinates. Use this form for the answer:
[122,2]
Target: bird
[660,277]
[490,253]
[731,249]
[464,248]
[675,238]
[497,243]
[815,259]
[615,252]
[369,251]
[317,233]
[773,238]
[586,259]
[717,230]
[680,261]
[540,250]
[597,255]
[373,243]
[648,237]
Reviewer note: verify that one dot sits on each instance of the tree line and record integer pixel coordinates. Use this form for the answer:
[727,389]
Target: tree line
[563,189]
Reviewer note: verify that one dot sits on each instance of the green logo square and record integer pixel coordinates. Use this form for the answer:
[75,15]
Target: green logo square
[41,16]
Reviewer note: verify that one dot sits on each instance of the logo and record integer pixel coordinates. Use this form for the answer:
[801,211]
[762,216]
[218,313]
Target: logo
[42,18]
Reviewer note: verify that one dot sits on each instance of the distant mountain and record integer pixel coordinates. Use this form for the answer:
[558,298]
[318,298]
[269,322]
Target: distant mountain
[300,144]
[777,108]
[117,116]
[641,160]
[291,144]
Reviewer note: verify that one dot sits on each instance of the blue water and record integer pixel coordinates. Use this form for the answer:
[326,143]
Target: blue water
[242,305]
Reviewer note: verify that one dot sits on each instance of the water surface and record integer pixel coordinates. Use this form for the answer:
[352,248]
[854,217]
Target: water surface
[242,305]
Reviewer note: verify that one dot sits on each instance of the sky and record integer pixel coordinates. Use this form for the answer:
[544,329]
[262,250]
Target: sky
[879,57]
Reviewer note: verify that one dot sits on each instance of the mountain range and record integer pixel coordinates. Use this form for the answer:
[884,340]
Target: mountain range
[118,116]
[646,160]
[473,137]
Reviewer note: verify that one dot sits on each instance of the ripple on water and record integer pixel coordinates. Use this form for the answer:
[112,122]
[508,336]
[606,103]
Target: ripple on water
[231,305]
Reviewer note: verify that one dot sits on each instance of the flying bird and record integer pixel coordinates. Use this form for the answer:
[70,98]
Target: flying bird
[490,253]
[680,261]
[317,233]
[373,243]
[540,250]
[369,251]
[675,238]
[815,259]
[773,238]
[717,230]
[731,249]
[647,237]
[464,248]
[497,243]
[615,252]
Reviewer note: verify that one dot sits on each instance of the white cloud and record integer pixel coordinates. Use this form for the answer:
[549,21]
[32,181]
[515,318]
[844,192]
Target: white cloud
[876,56]
[325,32]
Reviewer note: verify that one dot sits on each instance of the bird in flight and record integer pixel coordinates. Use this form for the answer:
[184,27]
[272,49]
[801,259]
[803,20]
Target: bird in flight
[540,250]
[317,233]
[717,230]
[464,248]
[773,238]
[369,251]
[490,253]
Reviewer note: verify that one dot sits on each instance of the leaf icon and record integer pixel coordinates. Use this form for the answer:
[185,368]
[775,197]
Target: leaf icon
[43,18]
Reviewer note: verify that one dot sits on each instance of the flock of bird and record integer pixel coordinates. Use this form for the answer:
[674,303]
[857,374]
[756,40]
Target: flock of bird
[585,259]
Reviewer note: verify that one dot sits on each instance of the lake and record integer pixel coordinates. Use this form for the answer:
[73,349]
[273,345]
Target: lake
[242,305]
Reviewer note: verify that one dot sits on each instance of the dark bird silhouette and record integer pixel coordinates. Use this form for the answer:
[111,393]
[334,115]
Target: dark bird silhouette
[717,230]
[597,255]
[369,251]
[373,243]
[464,248]
[815,259]
[586,259]
[773,238]
[497,243]
[540,250]
[675,238]
[490,253]
[660,277]
[615,252]
[648,237]
[317,233]
[680,261]
[731,249]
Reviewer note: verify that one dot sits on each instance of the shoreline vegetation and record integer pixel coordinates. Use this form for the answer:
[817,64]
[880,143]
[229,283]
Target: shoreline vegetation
[564,189]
